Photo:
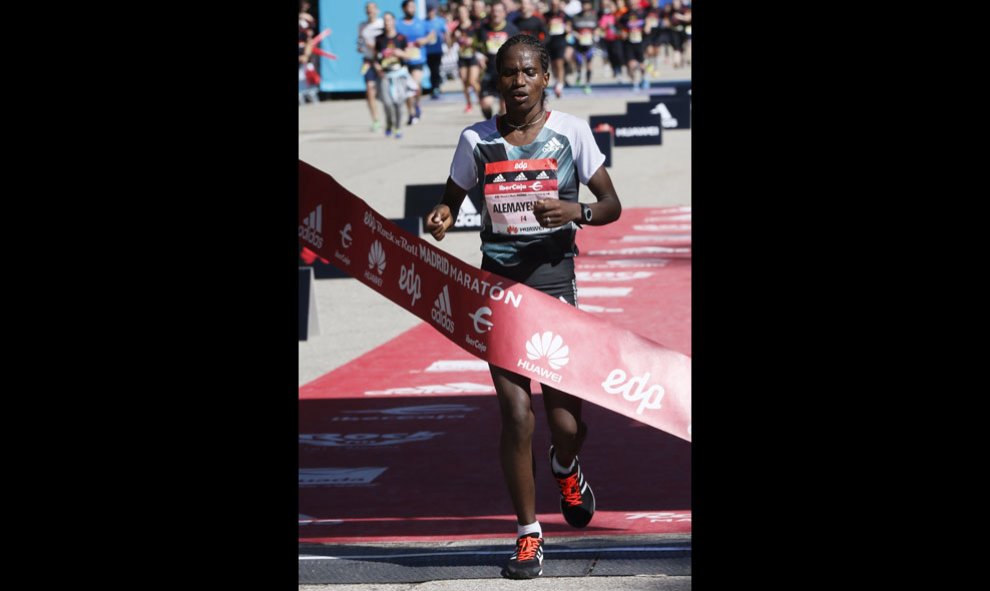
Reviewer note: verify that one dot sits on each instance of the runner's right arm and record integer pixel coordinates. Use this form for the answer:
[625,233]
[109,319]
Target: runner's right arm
[442,217]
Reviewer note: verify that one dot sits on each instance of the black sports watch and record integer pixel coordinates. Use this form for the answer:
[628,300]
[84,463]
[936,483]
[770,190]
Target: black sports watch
[586,213]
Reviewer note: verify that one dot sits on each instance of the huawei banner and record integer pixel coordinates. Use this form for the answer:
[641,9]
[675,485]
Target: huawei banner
[500,321]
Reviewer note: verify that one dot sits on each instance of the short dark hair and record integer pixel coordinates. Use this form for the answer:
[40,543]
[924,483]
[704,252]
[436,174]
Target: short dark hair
[529,41]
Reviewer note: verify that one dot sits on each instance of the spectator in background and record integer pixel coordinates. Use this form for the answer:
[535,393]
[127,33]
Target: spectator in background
[368,31]
[390,62]
[465,36]
[417,36]
[436,25]
[608,24]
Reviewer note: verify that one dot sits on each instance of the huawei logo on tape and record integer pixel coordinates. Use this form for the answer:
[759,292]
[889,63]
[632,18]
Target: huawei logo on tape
[550,346]
[376,257]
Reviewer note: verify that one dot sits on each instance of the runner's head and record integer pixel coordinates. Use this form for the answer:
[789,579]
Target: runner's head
[409,8]
[523,67]
[389,20]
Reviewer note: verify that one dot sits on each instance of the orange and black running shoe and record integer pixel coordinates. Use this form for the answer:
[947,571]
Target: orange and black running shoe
[527,561]
[577,500]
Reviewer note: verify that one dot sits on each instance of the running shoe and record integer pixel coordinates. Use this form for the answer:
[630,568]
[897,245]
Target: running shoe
[467,109]
[419,112]
[398,135]
[388,132]
[376,125]
[587,89]
[527,561]
[558,89]
[577,500]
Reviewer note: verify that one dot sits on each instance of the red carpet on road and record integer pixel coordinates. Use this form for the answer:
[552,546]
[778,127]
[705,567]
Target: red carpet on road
[401,444]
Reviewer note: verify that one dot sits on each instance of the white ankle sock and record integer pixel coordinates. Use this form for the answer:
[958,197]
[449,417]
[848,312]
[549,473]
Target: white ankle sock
[532,528]
[558,469]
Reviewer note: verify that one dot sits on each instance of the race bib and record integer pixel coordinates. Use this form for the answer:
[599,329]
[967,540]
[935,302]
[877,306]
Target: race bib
[652,22]
[635,36]
[412,53]
[556,26]
[495,41]
[586,38]
[512,188]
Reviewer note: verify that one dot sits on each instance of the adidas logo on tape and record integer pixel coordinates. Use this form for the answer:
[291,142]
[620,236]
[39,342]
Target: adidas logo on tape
[520,177]
[498,179]
[542,176]
[311,228]
[441,312]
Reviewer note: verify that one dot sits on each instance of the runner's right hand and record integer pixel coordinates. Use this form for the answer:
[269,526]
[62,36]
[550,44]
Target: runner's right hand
[438,220]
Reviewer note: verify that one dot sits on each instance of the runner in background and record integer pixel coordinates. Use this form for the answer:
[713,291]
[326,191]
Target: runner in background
[512,10]
[479,12]
[418,36]
[652,29]
[368,31]
[530,22]
[529,163]
[632,23]
[465,36]
[437,26]
[584,25]
[307,30]
[393,76]
[608,24]
[665,36]
[491,35]
[681,21]
[558,26]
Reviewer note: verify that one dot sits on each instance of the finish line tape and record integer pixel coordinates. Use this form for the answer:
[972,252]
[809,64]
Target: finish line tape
[498,320]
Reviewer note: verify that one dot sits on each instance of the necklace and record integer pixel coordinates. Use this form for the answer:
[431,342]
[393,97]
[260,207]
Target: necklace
[524,125]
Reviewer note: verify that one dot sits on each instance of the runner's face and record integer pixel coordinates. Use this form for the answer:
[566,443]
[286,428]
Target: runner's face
[522,79]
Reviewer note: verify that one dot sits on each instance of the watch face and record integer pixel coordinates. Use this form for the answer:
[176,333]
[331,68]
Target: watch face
[587,213]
